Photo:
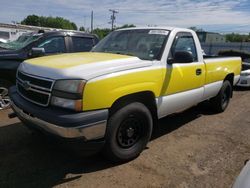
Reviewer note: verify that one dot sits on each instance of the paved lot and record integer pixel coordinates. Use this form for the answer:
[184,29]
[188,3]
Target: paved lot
[193,149]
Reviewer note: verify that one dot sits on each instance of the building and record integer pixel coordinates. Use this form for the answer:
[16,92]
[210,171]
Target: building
[210,37]
[13,31]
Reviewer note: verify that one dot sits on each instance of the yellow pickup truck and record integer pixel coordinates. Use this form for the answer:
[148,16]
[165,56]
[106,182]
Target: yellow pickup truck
[116,92]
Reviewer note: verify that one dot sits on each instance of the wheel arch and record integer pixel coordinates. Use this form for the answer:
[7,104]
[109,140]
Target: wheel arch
[145,97]
[230,78]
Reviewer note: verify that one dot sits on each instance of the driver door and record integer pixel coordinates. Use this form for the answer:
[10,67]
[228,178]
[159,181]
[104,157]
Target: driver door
[183,83]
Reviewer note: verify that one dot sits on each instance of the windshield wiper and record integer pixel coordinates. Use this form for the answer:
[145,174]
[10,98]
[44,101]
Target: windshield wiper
[123,53]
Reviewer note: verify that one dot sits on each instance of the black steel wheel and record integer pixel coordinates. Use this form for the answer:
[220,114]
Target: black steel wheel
[221,101]
[128,131]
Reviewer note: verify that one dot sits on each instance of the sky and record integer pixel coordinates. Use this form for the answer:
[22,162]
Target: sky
[224,16]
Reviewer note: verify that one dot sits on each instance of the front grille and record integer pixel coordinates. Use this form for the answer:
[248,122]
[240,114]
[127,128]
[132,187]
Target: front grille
[35,89]
[42,83]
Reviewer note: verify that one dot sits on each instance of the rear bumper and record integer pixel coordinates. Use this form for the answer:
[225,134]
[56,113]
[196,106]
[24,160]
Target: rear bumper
[66,124]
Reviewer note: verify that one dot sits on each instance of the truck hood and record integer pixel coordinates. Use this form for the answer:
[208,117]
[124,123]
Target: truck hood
[85,65]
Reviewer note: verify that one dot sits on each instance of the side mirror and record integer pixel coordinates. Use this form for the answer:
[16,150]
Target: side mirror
[37,52]
[181,57]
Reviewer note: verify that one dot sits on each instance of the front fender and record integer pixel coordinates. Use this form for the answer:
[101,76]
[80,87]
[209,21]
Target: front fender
[102,92]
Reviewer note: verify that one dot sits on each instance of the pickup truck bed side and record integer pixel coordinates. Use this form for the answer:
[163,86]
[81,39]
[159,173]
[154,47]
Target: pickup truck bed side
[226,66]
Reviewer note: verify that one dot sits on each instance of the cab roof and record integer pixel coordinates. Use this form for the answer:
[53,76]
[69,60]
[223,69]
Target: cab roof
[156,27]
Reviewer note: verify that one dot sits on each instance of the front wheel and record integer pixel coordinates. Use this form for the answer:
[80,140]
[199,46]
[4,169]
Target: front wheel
[220,102]
[128,132]
[4,95]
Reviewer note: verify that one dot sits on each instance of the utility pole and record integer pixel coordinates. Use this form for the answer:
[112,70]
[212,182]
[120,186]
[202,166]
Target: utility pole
[92,17]
[112,18]
[84,24]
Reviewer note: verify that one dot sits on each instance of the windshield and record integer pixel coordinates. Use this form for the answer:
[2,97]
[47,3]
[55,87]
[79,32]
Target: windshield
[146,44]
[21,42]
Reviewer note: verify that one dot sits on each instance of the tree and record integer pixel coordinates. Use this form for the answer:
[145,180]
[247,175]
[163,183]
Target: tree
[126,26]
[235,37]
[54,22]
[196,29]
[81,28]
[31,20]
[101,33]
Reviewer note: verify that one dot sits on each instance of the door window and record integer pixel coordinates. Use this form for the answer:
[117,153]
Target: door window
[53,45]
[184,42]
[81,44]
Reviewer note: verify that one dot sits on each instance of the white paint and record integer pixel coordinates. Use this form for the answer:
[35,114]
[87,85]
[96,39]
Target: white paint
[86,71]
[223,59]
[171,39]
[158,27]
[193,64]
[237,78]
[178,102]
[211,90]
[155,66]
[158,32]
[244,81]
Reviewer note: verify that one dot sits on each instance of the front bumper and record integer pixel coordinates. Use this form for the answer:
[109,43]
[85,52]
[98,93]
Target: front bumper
[87,125]
[244,81]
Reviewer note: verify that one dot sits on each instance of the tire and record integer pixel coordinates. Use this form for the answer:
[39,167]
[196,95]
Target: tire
[128,131]
[4,94]
[220,102]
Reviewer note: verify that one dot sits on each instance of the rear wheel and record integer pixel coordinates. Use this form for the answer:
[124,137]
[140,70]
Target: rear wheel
[128,132]
[4,94]
[221,101]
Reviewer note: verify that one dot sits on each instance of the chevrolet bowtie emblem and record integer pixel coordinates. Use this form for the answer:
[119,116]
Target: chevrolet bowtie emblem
[26,85]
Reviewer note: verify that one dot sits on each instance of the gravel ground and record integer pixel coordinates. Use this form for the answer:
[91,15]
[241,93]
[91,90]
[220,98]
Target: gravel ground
[195,148]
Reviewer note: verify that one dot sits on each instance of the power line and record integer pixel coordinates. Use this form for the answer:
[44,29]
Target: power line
[112,18]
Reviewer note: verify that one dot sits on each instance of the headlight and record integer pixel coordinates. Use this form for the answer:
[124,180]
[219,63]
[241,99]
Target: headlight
[70,86]
[68,94]
[245,74]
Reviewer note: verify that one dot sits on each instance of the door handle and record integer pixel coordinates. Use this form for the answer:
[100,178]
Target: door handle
[198,72]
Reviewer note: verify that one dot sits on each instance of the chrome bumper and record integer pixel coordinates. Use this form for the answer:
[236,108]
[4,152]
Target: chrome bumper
[91,131]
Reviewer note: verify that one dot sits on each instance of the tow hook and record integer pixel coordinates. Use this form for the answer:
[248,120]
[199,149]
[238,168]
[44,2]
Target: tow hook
[12,115]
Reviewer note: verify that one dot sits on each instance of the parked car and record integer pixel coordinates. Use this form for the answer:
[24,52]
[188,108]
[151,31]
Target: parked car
[2,41]
[114,93]
[244,75]
[244,80]
[243,180]
[30,45]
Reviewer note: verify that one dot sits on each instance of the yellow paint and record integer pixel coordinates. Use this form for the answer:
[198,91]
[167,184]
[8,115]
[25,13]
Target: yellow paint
[64,61]
[162,81]
[217,71]
[104,92]
[182,77]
